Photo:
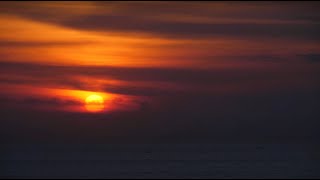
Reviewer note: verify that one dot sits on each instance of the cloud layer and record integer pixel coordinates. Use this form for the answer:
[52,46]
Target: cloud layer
[195,71]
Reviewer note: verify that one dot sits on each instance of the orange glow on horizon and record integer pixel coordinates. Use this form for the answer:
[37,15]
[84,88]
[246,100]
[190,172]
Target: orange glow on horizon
[54,99]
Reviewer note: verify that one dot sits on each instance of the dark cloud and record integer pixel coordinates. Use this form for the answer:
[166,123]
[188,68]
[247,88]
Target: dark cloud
[237,10]
[313,58]
[194,30]
[32,101]
[141,91]
[140,17]
[7,44]
[135,74]
[188,80]
[38,101]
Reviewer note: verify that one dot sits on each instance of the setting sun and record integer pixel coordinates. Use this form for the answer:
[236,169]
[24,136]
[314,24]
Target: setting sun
[94,103]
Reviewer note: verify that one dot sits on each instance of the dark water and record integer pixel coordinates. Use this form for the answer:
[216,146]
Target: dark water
[159,161]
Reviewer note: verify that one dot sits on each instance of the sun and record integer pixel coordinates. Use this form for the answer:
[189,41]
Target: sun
[94,103]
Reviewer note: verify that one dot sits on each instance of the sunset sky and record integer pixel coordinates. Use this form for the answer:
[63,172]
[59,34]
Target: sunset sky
[210,71]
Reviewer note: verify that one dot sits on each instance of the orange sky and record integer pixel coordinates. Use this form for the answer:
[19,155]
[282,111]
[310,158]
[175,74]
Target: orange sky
[215,39]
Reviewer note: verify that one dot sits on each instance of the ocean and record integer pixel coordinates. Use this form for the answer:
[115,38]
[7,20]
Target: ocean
[160,161]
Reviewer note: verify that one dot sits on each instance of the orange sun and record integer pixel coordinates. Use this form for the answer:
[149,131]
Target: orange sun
[94,103]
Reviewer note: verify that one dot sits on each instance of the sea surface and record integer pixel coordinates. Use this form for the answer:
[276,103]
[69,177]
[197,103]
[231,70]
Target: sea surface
[160,161]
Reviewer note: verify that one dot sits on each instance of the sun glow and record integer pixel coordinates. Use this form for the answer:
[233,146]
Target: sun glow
[94,103]
[71,100]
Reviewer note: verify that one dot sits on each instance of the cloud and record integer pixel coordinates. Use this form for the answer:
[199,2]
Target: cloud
[157,19]
[312,58]
[193,29]
[38,101]
[158,81]
[5,43]
[141,91]
[49,101]
[174,75]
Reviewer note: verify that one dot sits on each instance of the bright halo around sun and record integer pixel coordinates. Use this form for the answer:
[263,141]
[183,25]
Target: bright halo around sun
[94,103]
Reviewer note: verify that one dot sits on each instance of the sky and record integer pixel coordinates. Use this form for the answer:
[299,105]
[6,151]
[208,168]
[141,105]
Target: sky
[180,72]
